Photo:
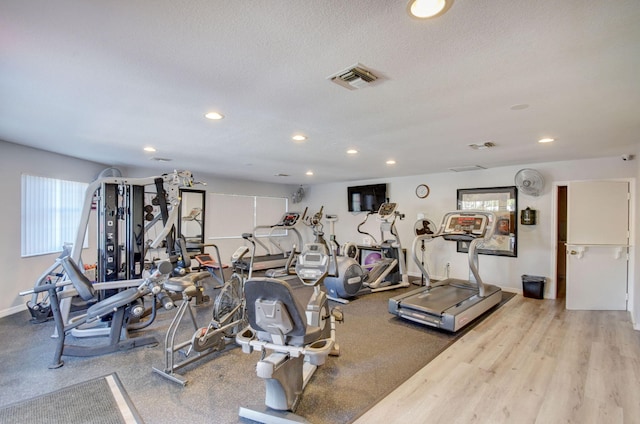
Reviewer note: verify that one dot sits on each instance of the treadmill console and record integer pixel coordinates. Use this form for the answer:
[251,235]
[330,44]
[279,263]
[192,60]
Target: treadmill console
[462,226]
[387,209]
[289,219]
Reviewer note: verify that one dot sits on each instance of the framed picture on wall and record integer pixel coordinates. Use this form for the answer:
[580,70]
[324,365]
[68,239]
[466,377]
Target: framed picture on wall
[503,202]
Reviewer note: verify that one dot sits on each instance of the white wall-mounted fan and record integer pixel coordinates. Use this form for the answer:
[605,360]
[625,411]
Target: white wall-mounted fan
[298,195]
[110,172]
[529,181]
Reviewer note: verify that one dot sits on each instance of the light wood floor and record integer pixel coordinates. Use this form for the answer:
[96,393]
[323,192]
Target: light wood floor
[531,361]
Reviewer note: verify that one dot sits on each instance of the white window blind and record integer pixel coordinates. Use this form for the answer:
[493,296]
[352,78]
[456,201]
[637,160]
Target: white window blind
[51,210]
[230,215]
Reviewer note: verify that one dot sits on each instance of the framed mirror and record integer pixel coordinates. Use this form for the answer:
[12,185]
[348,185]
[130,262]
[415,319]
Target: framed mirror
[503,201]
[191,217]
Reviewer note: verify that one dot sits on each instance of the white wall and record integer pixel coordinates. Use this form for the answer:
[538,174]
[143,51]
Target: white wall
[535,243]
[20,274]
[635,316]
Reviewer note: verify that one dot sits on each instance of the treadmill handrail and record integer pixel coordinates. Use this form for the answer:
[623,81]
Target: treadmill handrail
[473,265]
[473,246]
[261,244]
[414,254]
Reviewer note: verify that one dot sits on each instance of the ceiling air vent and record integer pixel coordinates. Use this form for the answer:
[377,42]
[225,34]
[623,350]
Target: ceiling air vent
[354,77]
[467,168]
[487,145]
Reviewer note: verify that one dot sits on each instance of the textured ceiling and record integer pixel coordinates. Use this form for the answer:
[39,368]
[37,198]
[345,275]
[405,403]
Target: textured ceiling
[102,79]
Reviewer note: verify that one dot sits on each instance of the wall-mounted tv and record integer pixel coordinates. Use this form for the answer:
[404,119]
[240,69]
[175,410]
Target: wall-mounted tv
[366,198]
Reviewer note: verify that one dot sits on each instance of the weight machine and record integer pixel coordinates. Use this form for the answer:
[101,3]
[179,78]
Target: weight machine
[122,244]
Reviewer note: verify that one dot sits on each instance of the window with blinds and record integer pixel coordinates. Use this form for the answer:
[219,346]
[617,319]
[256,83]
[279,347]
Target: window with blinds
[230,215]
[51,212]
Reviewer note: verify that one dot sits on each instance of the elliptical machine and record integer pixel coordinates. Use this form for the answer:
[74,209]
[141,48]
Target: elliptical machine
[298,340]
[348,279]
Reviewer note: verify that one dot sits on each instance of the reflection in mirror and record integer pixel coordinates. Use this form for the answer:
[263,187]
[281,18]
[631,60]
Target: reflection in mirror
[503,202]
[191,222]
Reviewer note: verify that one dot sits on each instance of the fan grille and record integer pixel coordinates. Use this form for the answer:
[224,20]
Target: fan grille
[529,181]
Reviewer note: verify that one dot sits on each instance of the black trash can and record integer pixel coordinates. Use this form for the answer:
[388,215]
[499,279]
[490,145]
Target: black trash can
[533,286]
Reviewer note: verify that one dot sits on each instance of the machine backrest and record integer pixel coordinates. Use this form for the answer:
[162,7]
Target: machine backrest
[80,281]
[272,308]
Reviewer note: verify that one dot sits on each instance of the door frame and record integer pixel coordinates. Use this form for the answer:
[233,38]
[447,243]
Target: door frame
[632,235]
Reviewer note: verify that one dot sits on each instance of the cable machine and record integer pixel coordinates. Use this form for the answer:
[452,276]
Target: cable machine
[123,236]
[120,232]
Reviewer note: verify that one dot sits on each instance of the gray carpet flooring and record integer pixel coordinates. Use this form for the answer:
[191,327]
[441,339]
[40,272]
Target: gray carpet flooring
[378,353]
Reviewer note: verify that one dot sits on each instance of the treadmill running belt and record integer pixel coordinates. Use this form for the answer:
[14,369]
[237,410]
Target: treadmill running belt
[438,299]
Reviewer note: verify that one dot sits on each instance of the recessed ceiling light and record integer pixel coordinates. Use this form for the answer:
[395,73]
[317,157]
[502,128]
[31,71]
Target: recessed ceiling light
[299,137]
[424,9]
[149,149]
[546,140]
[309,173]
[352,152]
[214,116]
[391,162]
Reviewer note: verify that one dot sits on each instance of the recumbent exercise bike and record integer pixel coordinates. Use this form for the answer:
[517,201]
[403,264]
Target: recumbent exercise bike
[298,340]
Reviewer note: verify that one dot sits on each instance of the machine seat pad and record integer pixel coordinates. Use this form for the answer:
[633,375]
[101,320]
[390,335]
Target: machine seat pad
[271,290]
[177,285]
[111,303]
[81,283]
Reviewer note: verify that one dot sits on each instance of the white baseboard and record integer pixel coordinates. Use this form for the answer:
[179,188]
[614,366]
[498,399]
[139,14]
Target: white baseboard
[636,325]
[14,310]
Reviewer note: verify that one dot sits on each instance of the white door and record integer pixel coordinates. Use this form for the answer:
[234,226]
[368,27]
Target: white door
[597,245]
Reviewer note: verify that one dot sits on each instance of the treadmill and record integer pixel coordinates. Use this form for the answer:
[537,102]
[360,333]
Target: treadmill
[451,304]
[282,259]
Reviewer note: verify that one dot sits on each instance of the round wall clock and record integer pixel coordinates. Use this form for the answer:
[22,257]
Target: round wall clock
[422,191]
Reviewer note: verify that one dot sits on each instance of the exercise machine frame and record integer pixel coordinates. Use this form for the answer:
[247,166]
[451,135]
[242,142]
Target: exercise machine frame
[347,279]
[167,186]
[228,317]
[290,221]
[298,340]
[452,304]
[120,307]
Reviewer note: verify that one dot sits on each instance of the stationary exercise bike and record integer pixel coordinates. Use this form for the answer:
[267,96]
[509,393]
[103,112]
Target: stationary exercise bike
[348,279]
[298,340]
[228,318]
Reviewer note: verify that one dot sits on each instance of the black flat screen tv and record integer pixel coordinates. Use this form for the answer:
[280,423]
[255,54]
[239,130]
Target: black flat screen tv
[366,198]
